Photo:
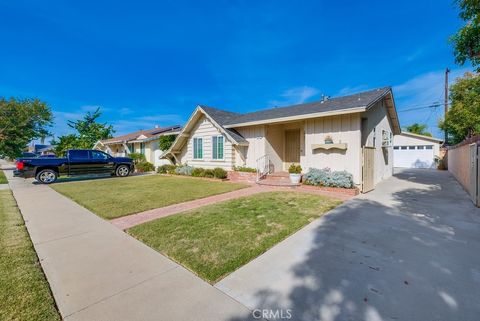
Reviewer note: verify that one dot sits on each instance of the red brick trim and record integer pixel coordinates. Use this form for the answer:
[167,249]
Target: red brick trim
[345,191]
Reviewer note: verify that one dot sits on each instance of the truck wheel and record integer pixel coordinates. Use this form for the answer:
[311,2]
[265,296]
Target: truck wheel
[46,176]
[122,171]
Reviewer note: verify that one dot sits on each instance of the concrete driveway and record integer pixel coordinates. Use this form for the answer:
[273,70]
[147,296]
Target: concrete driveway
[410,250]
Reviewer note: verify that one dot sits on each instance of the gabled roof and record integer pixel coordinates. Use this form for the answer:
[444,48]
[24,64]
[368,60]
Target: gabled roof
[430,138]
[142,134]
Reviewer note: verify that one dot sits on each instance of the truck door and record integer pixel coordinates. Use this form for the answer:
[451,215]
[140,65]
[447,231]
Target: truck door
[100,162]
[78,162]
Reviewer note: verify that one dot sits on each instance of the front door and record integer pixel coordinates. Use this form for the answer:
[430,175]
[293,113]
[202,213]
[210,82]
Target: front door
[292,147]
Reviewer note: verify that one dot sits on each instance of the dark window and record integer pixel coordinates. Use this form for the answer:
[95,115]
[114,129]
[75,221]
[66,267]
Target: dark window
[420,147]
[429,147]
[78,154]
[396,147]
[411,147]
[98,155]
[404,147]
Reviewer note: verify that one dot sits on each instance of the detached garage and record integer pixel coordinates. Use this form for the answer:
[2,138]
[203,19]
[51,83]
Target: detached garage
[415,151]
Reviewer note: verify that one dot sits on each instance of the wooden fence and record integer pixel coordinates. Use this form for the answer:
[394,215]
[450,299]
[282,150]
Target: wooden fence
[464,164]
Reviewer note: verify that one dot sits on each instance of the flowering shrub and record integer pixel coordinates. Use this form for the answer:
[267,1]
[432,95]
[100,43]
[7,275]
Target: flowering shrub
[295,169]
[184,170]
[325,177]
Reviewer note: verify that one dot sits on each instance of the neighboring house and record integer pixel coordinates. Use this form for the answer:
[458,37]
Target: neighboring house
[295,134]
[40,149]
[143,141]
[416,151]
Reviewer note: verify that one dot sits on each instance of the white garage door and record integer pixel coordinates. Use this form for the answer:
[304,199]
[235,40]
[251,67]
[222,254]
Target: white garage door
[413,156]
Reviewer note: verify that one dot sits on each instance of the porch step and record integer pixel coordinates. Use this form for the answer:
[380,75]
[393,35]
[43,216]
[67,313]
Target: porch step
[277,179]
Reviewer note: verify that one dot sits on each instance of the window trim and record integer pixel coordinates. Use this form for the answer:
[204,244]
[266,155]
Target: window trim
[195,143]
[215,157]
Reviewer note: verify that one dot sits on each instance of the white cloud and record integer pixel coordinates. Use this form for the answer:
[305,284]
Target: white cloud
[125,111]
[421,91]
[425,88]
[297,95]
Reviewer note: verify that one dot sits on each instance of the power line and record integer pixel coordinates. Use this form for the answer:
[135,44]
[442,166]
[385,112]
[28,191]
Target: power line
[434,105]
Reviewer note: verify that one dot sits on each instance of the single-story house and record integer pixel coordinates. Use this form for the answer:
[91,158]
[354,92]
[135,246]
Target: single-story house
[416,151]
[361,127]
[145,142]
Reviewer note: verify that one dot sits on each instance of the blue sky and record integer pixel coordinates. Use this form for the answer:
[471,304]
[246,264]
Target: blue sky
[151,62]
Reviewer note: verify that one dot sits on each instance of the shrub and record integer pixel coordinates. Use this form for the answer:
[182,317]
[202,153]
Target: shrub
[198,172]
[166,141]
[137,157]
[325,177]
[184,170]
[166,169]
[295,169]
[142,167]
[219,173]
[209,173]
[244,169]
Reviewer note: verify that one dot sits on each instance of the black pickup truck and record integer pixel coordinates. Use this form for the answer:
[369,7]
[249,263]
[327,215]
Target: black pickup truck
[77,162]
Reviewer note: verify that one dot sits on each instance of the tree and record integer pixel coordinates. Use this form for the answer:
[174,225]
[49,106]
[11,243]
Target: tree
[467,40]
[89,131]
[21,121]
[463,117]
[419,129]
[166,141]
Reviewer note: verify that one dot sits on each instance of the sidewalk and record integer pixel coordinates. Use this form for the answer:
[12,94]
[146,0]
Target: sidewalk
[97,272]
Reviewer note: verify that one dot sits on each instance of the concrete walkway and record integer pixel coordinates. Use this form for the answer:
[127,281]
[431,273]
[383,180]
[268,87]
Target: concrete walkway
[409,250]
[97,272]
[126,222]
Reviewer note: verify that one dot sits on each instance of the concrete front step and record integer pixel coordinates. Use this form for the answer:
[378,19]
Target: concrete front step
[270,182]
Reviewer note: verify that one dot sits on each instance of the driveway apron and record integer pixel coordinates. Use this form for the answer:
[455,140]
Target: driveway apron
[409,250]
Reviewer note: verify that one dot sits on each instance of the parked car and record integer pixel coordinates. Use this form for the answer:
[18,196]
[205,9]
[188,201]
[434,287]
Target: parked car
[78,162]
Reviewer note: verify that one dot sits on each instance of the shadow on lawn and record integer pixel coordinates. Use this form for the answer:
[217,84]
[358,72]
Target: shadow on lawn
[412,261]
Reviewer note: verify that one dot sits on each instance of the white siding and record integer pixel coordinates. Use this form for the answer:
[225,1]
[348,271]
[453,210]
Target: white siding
[205,129]
[403,140]
[343,129]
[255,135]
[377,118]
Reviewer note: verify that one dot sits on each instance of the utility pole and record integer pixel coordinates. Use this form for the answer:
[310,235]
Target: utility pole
[446,101]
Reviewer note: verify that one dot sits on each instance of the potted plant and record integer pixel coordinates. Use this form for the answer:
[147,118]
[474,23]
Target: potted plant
[328,139]
[295,173]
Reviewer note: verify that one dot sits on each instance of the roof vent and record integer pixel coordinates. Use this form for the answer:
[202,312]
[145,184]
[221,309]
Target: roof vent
[324,98]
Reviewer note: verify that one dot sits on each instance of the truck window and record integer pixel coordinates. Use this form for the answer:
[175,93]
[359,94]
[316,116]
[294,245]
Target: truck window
[78,154]
[98,155]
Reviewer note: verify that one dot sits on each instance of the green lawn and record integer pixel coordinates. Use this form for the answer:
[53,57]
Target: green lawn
[24,291]
[3,179]
[111,198]
[215,240]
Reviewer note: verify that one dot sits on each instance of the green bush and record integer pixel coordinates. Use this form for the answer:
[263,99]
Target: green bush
[295,169]
[244,169]
[219,173]
[325,177]
[209,173]
[198,172]
[166,169]
[137,157]
[142,167]
[184,170]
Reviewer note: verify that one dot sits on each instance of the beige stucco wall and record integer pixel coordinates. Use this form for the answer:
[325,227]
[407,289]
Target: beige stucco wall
[205,129]
[403,140]
[342,129]
[377,118]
